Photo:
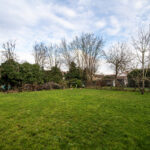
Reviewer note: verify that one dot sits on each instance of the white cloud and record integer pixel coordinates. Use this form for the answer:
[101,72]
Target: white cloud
[101,24]
[66,11]
[138,4]
[115,26]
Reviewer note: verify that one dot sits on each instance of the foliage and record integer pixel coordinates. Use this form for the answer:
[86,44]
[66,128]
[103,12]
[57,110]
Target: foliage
[54,75]
[75,119]
[31,73]
[84,76]
[74,72]
[10,74]
[47,76]
[75,83]
[74,76]
[64,84]
[135,78]
[17,75]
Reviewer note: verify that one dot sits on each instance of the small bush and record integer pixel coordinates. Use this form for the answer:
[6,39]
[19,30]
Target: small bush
[45,86]
[75,83]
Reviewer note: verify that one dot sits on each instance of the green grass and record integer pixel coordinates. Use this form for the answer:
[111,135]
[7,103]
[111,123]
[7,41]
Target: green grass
[75,119]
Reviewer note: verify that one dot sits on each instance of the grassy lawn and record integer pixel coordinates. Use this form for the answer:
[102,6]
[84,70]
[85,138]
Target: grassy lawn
[75,119]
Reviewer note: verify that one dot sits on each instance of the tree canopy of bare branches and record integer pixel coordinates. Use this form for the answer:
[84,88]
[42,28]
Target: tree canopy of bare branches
[40,51]
[8,51]
[141,43]
[120,57]
[67,52]
[54,58]
[89,49]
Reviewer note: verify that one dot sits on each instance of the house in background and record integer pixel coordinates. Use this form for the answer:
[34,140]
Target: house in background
[98,77]
[109,80]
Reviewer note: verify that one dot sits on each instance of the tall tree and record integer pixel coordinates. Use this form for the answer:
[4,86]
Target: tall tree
[89,49]
[141,43]
[67,52]
[40,54]
[74,72]
[120,57]
[54,58]
[56,74]
[74,76]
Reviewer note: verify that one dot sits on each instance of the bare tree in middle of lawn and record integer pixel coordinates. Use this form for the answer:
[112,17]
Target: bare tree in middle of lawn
[119,57]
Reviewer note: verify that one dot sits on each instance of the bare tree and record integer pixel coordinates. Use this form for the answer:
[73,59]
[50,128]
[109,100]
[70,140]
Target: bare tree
[9,50]
[50,56]
[78,53]
[40,54]
[119,57]
[54,58]
[89,50]
[141,43]
[67,52]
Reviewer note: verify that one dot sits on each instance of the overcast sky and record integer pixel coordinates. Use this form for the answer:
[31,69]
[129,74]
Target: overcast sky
[27,21]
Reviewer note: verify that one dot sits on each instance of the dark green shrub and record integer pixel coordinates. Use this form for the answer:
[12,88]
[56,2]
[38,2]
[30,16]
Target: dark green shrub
[75,83]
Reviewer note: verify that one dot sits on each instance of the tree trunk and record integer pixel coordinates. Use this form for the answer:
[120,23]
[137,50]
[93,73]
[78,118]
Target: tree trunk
[143,75]
[116,75]
[115,81]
